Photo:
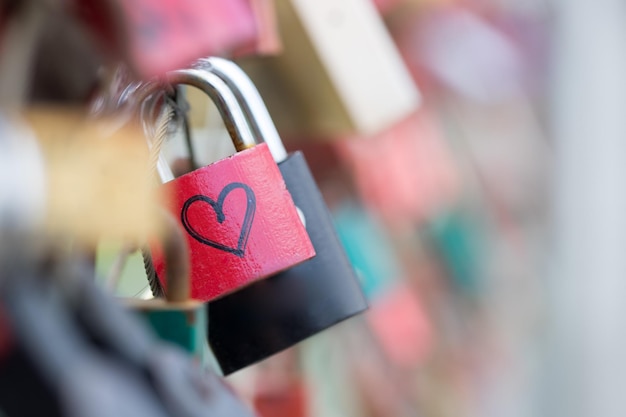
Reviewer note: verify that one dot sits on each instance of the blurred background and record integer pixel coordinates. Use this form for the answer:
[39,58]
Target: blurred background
[472,153]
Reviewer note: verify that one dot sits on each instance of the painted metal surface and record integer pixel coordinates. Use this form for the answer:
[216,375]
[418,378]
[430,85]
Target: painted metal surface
[240,221]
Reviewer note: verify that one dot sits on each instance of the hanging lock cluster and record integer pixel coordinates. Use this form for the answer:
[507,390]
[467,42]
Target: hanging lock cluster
[263,249]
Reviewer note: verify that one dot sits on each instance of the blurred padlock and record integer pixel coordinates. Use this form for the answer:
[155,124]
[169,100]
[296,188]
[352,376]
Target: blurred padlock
[368,248]
[154,37]
[241,222]
[175,318]
[278,312]
[339,71]
[82,379]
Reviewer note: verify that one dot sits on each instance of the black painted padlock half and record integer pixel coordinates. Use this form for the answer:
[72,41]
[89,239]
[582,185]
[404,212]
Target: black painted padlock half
[278,312]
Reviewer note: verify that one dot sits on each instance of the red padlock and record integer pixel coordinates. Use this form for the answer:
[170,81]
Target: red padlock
[241,222]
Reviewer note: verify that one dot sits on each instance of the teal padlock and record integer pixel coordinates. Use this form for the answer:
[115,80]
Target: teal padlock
[368,248]
[176,318]
[460,241]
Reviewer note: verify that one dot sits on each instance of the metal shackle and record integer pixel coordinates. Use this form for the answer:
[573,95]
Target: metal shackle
[176,254]
[250,101]
[220,93]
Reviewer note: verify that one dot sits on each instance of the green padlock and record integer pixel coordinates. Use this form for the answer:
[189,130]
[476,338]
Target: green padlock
[176,318]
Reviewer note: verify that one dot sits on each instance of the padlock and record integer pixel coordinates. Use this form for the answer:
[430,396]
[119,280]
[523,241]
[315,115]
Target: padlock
[241,222]
[176,318]
[278,312]
[91,357]
[368,248]
[81,378]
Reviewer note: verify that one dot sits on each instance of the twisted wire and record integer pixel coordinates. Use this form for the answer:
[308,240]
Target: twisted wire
[158,137]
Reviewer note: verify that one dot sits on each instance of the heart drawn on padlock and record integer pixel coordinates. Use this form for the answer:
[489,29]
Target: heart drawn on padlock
[218,207]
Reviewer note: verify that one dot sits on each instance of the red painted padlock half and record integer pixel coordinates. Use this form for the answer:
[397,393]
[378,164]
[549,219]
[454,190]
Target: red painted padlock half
[240,220]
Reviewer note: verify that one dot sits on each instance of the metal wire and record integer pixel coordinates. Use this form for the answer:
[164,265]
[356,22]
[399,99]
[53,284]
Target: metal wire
[167,115]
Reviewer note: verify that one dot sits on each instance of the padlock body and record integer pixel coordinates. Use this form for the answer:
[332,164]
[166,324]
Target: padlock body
[240,221]
[183,324]
[276,313]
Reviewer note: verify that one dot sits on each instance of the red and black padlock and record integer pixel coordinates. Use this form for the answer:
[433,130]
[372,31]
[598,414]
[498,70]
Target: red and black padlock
[241,222]
[278,312]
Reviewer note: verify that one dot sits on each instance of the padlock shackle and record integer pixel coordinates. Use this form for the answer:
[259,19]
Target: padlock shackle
[250,101]
[176,254]
[220,93]
[225,101]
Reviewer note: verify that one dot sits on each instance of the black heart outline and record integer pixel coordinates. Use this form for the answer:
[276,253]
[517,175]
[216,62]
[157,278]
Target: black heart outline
[218,208]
